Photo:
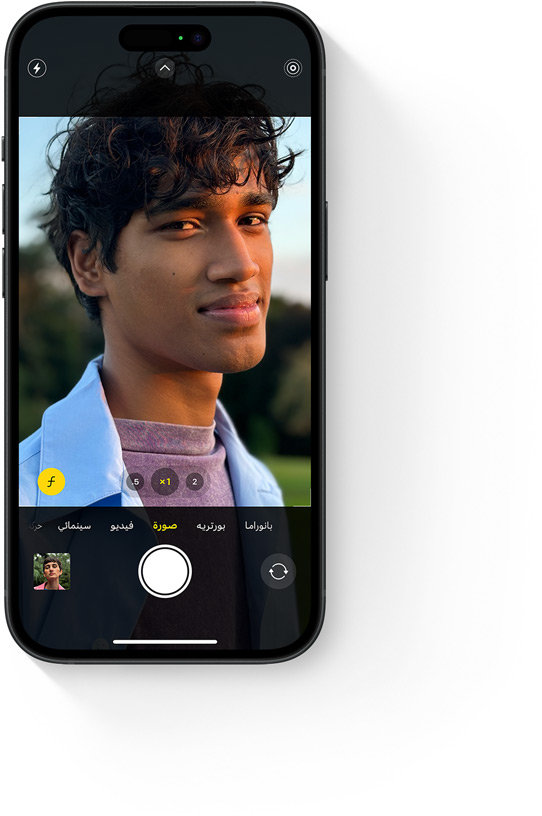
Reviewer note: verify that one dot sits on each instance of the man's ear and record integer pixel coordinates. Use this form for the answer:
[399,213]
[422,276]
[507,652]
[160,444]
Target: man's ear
[88,270]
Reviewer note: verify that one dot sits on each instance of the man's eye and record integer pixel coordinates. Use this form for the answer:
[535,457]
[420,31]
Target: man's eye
[253,220]
[180,226]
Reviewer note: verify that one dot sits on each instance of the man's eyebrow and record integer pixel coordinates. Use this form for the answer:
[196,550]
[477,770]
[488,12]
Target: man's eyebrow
[258,200]
[207,202]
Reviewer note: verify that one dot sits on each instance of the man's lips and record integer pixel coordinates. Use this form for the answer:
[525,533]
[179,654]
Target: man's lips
[240,309]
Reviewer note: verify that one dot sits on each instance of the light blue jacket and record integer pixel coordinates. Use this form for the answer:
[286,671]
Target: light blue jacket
[78,437]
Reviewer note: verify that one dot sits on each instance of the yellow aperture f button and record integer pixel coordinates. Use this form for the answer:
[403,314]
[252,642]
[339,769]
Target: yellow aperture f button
[51,481]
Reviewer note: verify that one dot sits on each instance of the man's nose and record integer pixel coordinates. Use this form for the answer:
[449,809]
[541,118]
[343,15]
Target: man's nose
[231,258]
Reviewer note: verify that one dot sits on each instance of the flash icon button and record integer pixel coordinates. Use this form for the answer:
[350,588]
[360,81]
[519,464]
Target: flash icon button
[37,68]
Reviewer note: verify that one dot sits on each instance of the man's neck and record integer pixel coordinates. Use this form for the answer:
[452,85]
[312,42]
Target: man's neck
[148,390]
[53,584]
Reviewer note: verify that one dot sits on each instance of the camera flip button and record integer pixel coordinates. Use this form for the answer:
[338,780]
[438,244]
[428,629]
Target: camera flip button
[278,571]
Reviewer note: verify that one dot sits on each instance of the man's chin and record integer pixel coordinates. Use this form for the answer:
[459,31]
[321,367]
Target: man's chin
[240,362]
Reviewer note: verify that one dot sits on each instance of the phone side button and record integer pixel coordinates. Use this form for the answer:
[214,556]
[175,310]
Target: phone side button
[3,271]
[3,208]
[326,244]
[3,149]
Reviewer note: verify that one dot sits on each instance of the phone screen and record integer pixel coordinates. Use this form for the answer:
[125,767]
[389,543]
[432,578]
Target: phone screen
[164,292]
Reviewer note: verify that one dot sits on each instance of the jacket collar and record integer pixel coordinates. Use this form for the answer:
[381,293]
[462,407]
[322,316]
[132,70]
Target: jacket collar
[93,458]
[252,486]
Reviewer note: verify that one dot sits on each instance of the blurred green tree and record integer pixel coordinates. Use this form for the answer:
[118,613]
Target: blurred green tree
[56,338]
[291,405]
[250,395]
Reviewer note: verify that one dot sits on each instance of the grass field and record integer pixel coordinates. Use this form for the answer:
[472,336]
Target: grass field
[293,473]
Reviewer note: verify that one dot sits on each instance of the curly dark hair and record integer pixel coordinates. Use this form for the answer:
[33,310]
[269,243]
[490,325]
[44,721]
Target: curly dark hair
[51,560]
[112,166]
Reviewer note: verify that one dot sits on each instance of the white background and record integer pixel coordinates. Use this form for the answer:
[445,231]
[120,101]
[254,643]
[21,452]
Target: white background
[423,694]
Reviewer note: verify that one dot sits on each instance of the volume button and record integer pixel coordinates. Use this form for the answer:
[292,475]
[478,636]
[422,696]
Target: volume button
[3,272]
[3,209]
[326,239]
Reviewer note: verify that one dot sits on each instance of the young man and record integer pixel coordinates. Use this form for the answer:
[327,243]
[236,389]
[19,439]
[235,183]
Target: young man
[52,570]
[162,226]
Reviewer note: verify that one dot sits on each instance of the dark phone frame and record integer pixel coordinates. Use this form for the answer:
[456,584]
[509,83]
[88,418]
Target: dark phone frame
[319,276]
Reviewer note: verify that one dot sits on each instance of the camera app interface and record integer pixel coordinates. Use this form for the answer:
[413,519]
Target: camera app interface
[165,380]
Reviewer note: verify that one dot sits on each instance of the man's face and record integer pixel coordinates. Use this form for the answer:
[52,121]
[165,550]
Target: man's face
[192,286]
[51,571]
